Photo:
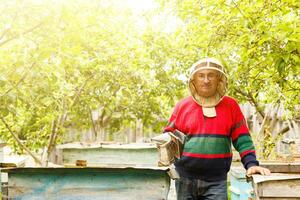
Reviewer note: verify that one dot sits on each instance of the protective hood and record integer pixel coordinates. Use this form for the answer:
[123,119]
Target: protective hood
[208,103]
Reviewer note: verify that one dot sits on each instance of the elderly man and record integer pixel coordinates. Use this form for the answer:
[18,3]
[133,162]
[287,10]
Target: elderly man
[211,122]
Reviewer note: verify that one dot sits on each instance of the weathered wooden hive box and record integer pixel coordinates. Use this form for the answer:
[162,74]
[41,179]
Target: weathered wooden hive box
[87,183]
[282,184]
[144,154]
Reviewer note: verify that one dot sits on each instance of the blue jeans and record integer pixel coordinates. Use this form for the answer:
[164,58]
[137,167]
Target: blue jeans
[197,189]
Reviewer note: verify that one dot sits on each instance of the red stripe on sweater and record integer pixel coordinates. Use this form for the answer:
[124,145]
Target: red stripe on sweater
[223,134]
[246,152]
[209,156]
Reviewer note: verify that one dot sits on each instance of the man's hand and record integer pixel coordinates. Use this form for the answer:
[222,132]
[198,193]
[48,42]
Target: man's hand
[258,170]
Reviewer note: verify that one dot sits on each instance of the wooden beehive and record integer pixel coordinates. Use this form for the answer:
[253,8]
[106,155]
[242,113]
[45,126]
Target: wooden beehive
[282,184]
[87,183]
[278,186]
[108,154]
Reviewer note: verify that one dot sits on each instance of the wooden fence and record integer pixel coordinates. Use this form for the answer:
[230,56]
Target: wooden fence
[285,142]
[135,133]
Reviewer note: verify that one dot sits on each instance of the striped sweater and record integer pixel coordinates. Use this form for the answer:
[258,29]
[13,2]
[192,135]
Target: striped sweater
[207,151]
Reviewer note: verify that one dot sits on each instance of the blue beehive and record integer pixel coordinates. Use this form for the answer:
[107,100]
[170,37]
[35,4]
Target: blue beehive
[87,183]
[239,188]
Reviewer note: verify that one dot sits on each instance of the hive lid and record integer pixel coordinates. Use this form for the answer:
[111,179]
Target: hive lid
[274,177]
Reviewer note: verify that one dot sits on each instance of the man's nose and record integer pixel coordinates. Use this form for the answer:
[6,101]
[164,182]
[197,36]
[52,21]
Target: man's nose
[206,79]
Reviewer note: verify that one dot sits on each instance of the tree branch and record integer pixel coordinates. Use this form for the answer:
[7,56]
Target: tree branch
[251,99]
[53,130]
[19,82]
[92,121]
[237,7]
[283,131]
[19,141]
[23,33]
[274,119]
[6,31]
[63,117]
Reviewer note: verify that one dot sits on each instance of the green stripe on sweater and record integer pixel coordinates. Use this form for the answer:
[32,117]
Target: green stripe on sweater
[243,143]
[208,145]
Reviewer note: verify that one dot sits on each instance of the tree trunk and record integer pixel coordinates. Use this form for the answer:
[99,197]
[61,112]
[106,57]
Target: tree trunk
[139,130]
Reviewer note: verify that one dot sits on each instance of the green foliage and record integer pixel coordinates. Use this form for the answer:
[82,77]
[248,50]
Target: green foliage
[258,41]
[73,57]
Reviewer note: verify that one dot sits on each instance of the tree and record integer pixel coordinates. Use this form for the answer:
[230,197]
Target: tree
[60,62]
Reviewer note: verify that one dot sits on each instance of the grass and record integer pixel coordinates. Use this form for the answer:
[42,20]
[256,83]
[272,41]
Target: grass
[228,191]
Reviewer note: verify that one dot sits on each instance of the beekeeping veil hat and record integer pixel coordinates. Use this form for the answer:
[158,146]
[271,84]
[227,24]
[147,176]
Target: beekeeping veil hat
[208,103]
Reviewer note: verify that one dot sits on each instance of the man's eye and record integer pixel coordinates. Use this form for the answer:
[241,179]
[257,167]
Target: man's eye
[212,75]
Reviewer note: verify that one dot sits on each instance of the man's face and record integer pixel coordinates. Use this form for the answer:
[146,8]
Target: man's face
[206,82]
